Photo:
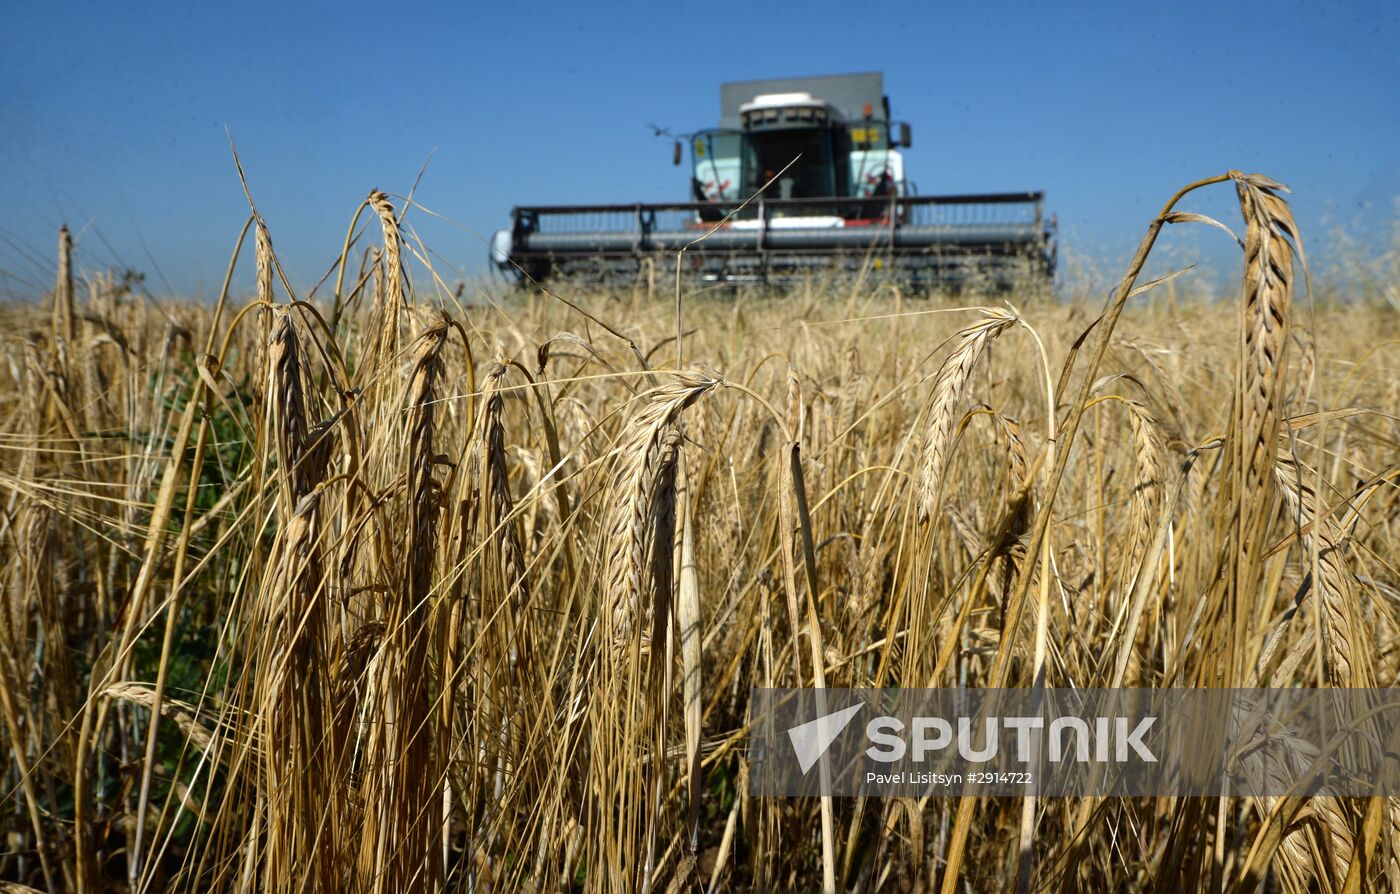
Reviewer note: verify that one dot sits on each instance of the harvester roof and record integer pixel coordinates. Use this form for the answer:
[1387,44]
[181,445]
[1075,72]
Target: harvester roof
[782,110]
[854,96]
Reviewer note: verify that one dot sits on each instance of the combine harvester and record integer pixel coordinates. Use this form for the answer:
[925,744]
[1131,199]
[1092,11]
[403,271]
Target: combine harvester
[844,204]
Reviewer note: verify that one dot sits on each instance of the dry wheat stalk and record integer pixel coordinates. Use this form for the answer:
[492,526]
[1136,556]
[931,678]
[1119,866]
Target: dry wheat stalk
[296,689]
[262,262]
[640,525]
[1149,483]
[393,264]
[401,784]
[1013,555]
[302,767]
[628,706]
[1346,645]
[286,407]
[491,504]
[423,489]
[65,334]
[390,297]
[1268,292]
[1266,300]
[942,410]
[491,560]
[1267,296]
[184,714]
[65,317]
[853,397]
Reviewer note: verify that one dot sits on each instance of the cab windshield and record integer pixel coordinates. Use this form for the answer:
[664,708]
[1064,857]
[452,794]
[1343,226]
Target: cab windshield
[805,153]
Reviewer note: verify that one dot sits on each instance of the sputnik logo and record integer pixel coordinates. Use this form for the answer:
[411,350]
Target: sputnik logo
[810,740]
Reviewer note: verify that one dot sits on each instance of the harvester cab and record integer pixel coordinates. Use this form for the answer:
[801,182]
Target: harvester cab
[799,146]
[802,176]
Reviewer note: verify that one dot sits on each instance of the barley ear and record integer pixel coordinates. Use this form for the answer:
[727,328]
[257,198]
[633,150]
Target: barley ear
[948,389]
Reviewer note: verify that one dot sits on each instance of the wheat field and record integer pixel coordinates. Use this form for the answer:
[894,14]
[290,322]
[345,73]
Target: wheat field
[390,587]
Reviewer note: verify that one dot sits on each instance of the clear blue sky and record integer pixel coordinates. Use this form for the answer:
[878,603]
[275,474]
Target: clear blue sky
[114,113]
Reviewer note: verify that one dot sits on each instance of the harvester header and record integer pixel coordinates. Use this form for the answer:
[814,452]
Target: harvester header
[802,176]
